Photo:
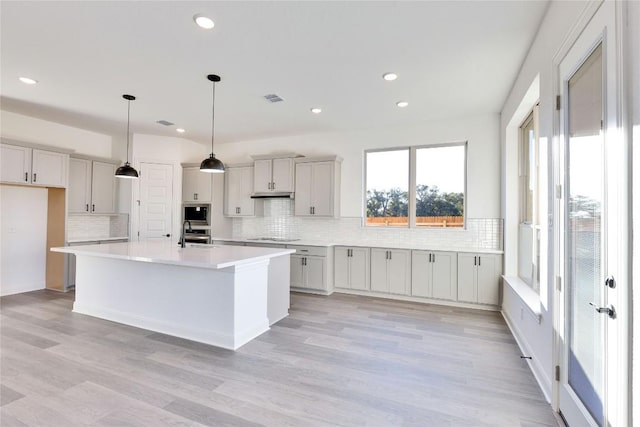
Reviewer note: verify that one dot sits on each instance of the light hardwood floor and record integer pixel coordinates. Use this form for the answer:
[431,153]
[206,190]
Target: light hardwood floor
[339,360]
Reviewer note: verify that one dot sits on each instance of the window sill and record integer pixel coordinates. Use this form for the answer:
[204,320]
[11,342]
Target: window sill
[529,297]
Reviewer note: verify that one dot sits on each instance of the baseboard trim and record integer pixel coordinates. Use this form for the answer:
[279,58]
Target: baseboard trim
[544,381]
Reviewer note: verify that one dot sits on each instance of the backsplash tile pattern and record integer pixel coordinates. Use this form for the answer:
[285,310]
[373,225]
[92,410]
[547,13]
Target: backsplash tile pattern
[97,226]
[279,222]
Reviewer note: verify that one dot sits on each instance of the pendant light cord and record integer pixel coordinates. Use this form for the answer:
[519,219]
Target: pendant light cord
[213,113]
[128,121]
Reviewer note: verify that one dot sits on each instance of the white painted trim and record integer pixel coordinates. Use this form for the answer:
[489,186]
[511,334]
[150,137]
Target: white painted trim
[12,290]
[527,295]
[539,372]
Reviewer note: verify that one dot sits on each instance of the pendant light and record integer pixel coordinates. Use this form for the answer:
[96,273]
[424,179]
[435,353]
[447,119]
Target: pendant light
[211,164]
[126,171]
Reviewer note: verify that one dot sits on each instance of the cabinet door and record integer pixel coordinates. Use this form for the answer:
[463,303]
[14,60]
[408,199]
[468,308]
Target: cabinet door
[421,273]
[204,182]
[467,285]
[341,266]
[379,281]
[444,275]
[282,175]
[399,271]
[359,268]
[262,176]
[315,273]
[322,188]
[103,188]
[488,279]
[247,204]
[302,201]
[233,189]
[49,168]
[190,184]
[79,186]
[297,271]
[16,164]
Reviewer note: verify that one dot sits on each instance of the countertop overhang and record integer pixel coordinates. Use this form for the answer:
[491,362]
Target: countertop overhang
[166,252]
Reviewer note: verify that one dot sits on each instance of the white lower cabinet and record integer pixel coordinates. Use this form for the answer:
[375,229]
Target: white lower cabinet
[479,278]
[351,268]
[434,274]
[391,271]
[310,267]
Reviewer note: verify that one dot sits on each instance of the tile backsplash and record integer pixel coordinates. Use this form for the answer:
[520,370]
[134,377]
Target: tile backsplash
[97,226]
[279,222]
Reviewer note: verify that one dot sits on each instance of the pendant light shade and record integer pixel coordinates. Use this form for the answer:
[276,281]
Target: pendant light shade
[126,170]
[211,164]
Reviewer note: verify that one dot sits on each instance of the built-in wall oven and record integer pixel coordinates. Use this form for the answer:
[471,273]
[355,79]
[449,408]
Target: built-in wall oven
[197,214]
[197,236]
[199,217]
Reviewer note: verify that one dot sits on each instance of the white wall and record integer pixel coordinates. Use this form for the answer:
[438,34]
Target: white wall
[30,129]
[174,151]
[537,70]
[482,133]
[23,238]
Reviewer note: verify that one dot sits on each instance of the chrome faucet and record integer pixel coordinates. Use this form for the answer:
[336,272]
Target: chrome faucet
[186,221]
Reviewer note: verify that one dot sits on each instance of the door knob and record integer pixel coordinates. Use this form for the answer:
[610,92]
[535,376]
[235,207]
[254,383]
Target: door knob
[610,311]
[610,282]
[167,235]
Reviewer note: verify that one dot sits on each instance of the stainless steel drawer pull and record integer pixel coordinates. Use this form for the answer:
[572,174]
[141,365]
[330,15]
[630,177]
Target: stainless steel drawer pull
[26,176]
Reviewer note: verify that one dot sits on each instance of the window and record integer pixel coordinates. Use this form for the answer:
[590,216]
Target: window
[529,230]
[388,188]
[416,186]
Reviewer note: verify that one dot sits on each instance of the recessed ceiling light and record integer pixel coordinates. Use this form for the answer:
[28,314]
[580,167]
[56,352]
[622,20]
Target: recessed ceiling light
[203,21]
[180,130]
[402,104]
[389,76]
[27,80]
[316,110]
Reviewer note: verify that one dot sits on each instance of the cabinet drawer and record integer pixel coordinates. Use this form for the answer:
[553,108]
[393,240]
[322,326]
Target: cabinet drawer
[309,250]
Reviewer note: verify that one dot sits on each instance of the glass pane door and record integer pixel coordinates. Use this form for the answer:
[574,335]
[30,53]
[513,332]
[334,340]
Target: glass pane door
[584,235]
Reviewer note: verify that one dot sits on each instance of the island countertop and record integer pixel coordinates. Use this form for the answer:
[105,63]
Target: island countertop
[167,252]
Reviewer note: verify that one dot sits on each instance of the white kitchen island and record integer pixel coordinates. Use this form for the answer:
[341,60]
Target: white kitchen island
[219,295]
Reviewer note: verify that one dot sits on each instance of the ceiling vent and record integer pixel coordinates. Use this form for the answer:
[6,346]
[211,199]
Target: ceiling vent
[165,123]
[272,97]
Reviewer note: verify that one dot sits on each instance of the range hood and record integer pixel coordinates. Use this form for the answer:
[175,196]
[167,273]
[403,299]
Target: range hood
[273,195]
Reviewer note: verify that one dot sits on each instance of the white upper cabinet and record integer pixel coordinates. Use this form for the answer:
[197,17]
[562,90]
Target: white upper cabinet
[237,191]
[317,188]
[16,164]
[273,175]
[92,186]
[33,166]
[196,185]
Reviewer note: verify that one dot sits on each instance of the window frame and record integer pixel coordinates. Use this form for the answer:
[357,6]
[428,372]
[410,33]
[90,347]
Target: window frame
[412,176]
[533,281]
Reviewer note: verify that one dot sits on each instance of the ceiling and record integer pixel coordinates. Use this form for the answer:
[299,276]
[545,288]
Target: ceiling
[453,59]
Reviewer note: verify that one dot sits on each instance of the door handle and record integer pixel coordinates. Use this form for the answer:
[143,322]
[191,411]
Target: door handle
[273,185]
[195,196]
[310,211]
[26,176]
[609,311]
[87,207]
[167,235]
[93,208]
[479,260]
[34,176]
[475,260]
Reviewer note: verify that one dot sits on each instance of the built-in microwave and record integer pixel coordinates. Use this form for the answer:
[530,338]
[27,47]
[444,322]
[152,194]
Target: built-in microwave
[197,214]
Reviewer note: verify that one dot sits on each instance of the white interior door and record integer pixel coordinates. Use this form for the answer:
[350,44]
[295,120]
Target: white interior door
[593,216]
[156,201]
